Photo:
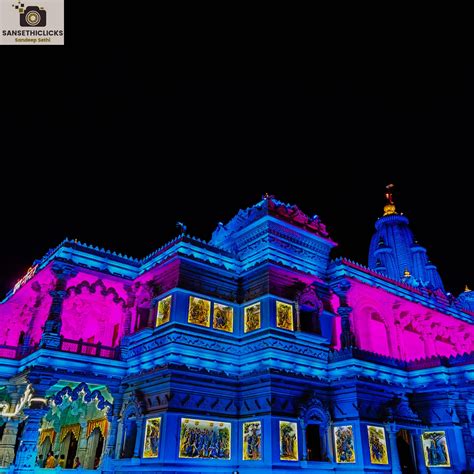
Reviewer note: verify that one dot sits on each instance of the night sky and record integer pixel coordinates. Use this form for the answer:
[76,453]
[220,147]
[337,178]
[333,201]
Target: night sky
[123,148]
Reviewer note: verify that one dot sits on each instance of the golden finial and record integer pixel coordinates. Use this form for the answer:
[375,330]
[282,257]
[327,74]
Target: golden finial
[466,289]
[406,273]
[389,208]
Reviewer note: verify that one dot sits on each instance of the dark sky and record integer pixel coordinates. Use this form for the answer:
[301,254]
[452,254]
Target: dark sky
[122,148]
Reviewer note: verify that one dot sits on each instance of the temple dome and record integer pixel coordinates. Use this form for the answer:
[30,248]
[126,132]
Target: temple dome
[466,299]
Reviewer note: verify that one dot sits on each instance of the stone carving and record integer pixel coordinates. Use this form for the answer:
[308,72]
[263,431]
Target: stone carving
[133,406]
[88,396]
[273,207]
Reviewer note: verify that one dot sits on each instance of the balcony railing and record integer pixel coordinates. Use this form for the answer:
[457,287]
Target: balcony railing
[66,345]
[9,352]
[88,348]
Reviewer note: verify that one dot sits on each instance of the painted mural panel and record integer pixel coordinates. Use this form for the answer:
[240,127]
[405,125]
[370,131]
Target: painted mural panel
[199,311]
[252,441]
[377,445]
[252,319]
[284,315]
[288,441]
[152,438]
[223,317]
[204,439]
[435,449]
[163,312]
[344,442]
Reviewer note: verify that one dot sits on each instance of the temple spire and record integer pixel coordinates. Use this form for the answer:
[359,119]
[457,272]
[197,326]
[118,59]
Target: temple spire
[389,208]
[394,252]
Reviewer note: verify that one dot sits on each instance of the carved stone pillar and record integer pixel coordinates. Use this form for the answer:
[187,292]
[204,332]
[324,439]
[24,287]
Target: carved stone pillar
[304,449]
[297,312]
[391,429]
[108,453]
[7,445]
[51,338]
[397,345]
[82,443]
[428,342]
[131,298]
[323,436]
[347,336]
[419,453]
[119,438]
[27,451]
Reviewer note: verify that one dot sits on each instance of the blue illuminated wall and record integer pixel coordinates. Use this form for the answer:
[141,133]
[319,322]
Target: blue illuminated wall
[252,352]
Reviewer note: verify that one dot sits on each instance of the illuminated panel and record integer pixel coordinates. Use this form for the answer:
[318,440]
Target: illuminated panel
[284,315]
[204,439]
[163,311]
[344,443]
[377,445]
[199,311]
[252,441]
[288,441]
[223,317]
[252,320]
[435,449]
[152,438]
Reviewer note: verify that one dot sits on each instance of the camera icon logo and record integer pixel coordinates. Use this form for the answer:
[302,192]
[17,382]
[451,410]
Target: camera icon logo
[31,16]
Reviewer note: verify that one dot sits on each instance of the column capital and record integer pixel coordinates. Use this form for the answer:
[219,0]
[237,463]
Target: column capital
[63,270]
[344,311]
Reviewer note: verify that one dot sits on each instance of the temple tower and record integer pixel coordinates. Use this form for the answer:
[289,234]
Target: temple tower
[394,252]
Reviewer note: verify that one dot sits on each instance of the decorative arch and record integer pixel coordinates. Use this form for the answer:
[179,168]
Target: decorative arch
[94,312]
[315,419]
[314,410]
[88,397]
[310,308]
[98,285]
[373,329]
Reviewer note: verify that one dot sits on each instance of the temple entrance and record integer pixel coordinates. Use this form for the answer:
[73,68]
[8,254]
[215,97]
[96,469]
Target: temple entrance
[95,446]
[76,424]
[45,448]
[313,443]
[405,452]
[70,443]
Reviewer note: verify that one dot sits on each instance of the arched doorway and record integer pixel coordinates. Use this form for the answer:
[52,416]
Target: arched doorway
[45,448]
[313,442]
[129,437]
[405,452]
[69,449]
[95,446]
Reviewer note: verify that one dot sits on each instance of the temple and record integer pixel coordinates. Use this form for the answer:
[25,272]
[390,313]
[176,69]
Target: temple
[252,352]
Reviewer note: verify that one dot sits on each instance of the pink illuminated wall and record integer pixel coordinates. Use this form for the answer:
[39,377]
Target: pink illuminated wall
[389,325]
[95,309]
[27,310]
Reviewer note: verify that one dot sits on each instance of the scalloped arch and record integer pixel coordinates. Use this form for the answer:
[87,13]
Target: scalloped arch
[89,396]
[93,288]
